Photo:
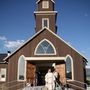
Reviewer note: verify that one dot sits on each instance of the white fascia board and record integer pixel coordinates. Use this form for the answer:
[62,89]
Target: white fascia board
[44,58]
[24,43]
[66,43]
[40,0]
[38,12]
[53,34]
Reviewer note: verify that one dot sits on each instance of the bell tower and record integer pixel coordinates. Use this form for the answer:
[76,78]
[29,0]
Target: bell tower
[45,15]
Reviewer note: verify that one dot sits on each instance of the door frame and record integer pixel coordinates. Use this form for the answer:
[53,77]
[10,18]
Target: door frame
[38,59]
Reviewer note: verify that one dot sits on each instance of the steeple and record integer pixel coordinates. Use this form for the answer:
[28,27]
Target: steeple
[45,15]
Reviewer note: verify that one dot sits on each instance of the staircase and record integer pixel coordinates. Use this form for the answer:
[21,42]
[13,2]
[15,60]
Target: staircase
[14,85]
[77,85]
[35,88]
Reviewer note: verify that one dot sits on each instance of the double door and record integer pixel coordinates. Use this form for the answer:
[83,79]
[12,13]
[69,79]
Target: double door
[37,77]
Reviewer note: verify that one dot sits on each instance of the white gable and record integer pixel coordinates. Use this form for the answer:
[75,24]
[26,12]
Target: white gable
[40,0]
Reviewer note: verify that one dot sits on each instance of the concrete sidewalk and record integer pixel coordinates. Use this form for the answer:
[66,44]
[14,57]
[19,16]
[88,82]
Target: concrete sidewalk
[88,88]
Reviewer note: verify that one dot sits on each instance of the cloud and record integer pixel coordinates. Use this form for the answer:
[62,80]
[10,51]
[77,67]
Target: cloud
[3,38]
[13,44]
[8,44]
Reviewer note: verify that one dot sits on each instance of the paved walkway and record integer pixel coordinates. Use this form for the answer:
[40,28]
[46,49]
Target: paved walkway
[88,88]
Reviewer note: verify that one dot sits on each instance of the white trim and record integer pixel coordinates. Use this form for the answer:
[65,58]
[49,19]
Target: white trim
[72,67]
[45,4]
[53,34]
[40,0]
[65,42]
[44,58]
[47,19]
[24,69]
[43,12]
[24,43]
[49,43]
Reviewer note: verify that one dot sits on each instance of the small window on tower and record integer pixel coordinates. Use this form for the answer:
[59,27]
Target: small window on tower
[45,4]
[45,22]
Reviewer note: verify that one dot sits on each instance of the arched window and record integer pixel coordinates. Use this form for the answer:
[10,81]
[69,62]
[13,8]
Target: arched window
[21,68]
[69,67]
[45,47]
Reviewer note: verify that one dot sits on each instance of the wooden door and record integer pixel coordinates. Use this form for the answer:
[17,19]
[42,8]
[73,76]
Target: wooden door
[62,72]
[30,75]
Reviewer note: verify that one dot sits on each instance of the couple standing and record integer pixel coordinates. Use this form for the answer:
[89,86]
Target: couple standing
[50,79]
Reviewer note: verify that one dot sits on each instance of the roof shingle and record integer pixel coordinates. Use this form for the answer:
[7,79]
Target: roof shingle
[2,56]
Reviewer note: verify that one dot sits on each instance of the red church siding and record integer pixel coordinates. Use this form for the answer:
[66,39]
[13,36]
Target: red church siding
[52,21]
[61,48]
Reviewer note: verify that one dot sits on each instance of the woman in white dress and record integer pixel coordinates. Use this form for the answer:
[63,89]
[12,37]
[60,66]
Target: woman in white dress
[50,80]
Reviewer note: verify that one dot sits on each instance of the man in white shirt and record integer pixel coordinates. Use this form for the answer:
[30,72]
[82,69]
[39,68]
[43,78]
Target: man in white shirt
[50,80]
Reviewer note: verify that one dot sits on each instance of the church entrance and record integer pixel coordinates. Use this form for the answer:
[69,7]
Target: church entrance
[37,69]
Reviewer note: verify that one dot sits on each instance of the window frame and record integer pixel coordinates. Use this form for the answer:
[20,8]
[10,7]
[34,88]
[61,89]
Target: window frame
[45,4]
[72,68]
[1,75]
[43,19]
[49,43]
[22,56]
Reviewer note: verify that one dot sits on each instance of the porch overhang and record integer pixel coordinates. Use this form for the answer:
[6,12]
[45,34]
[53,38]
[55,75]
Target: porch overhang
[44,58]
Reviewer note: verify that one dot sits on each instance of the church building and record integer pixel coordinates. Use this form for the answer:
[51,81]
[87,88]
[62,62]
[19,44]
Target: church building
[44,50]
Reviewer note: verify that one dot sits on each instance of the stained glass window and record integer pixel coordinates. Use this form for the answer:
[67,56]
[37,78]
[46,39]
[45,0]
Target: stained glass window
[69,68]
[21,70]
[45,48]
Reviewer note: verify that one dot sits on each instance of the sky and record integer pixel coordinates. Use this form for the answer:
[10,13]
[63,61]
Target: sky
[17,23]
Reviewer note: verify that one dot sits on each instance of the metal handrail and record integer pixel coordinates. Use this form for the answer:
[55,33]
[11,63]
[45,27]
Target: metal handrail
[10,82]
[73,85]
[57,84]
[24,85]
[76,86]
[85,84]
[78,81]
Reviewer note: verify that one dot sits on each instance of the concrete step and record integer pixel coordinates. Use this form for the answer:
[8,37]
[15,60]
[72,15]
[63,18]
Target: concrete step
[34,88]
[41,88]
[88,88]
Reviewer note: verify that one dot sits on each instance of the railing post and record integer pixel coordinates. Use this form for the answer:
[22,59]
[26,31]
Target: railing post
[24,85]
[2,87]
